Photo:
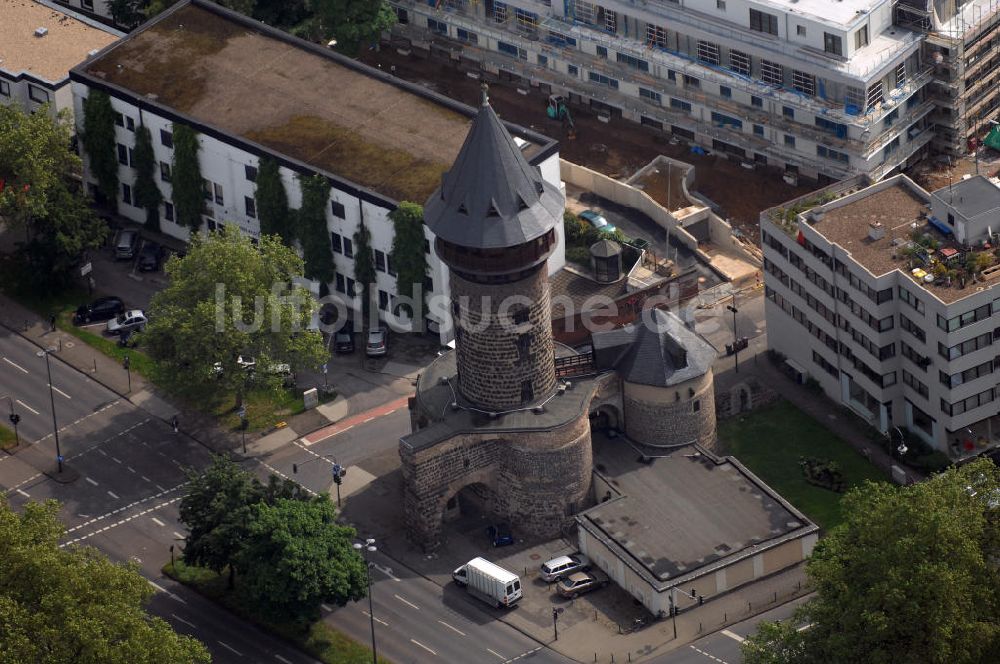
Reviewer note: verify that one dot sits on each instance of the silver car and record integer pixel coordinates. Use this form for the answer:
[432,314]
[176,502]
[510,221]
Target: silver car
[557,568]
[129,321]
[378,342]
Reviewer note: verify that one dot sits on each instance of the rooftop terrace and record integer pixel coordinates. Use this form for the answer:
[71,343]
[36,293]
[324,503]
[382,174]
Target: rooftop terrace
[49,58]
[299,100]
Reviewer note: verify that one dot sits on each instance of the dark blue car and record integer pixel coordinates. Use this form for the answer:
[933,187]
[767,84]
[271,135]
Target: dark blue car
[500,534]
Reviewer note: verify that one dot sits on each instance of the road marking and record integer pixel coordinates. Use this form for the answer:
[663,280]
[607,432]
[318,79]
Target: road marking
[161,488]
[422,646]
[407,602]
[125,520]
[16,366]
[387,571]
[178,535]
[282,659]
[23,493]
[804,627]
[125,507]
[454,629]
[368,420]
[350,422]
[281,474]
[130,469]
[145,478]
[526,653]
[229,647]
[710,656]
[158,522]
[326,607]
[496,653]
[379,621]
[56,389]
[160,588]
[28,407]
[74,423]
[116,459]
[91,481]
[179,619]
[114,495]
[733,635]
[102,453]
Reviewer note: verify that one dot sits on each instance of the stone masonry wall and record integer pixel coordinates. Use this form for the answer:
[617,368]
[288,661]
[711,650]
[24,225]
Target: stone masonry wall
[495,357]
[667,416]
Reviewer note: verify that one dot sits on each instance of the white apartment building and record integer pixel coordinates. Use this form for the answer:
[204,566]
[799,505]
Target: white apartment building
[820,88]
[252,91]
[870,295]
[39,44]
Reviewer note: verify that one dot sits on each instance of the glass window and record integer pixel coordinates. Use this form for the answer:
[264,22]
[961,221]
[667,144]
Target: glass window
[348,248]
[833,44]
[338,210]
[250,172]
[251,206]
[166,138]
[763,22]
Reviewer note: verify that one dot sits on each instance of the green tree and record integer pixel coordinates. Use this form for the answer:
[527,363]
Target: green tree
[296,557]
[216,508]
[40,194]
[910,576]
[364,268]
[147,193]
[228,297]
[73,605]
[312,230]
[272,202]
[127,13]
[186,180]
[407,254]
[353,23]
[100,144]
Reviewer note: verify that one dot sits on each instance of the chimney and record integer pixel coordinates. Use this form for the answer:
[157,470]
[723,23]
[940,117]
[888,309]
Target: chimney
[876,231]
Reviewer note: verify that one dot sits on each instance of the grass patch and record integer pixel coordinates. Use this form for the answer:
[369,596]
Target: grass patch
[7,439]
[770,442]
[139,362]
[321,641]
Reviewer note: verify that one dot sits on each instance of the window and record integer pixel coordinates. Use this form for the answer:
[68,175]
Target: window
[875,96]
[656,36]
[380,260]
[680,105]
[789,140]
[251,206]
[572,70]
[951,219]
[428,284]
[543,60]
[129,123]
[763,22]
[119,120]
[126,193]
[512,50]
[833,44]
[901,77]
[4,89]
[966,347]
[383,300]
[339,279]
[218,193]
[650,95]
[833,155]
[350,287]
[35,93]
[912,328]
[971,403]
[348,248]
[122,155]
[861,37]
[337,209]
[166,138]
[968,318]
[800,30]
[131,157]
[168,211]
[963,377]
[757,101]
[468,37]
[427,246]
[910,299]
[803,82]
[836,128]
[720,4]
[87,4]
[771,73]
[250,172]
[788,112]
[388,265]
[634,63]
[825,364]
[725,92]
[335,243]
[911,381]
[708,52]
[724,120]
[691,81]
[601,79]
[671,75]
[758,130]
[438,27]
[739,62]
[602,52]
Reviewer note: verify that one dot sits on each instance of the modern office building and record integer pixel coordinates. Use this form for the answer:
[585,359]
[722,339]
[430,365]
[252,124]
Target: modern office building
[39,44]
[888,297]
[826,89]
[252,91]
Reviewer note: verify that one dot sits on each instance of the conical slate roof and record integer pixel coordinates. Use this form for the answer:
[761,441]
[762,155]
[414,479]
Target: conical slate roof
[492,197]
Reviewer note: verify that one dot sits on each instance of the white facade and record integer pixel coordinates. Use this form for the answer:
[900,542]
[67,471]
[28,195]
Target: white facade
[816,87]
[896,351]
[224,165]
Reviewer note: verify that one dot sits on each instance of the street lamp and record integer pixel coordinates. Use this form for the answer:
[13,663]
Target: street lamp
[736,342]
[127,365]
[52,402]
[365,549]
[14,419]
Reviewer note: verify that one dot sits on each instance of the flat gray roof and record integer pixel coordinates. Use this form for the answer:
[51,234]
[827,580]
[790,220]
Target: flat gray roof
[686,510]
[972,196]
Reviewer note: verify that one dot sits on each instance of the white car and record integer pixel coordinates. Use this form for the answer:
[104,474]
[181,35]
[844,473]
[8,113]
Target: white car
[129,321]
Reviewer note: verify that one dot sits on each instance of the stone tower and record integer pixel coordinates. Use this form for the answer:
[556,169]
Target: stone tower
[495,221]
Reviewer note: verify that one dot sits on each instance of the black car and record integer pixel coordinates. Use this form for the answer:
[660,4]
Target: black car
[500,534]
[343,341]
[100,309]
[150,257]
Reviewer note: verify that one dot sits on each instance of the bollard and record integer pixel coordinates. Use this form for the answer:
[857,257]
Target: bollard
[95,364]
[749,607]
[699,627]
[612,658]
[776,597]
[60,344]
[799,585]
[630,655]
[595,656]
[725,617]
[595,614]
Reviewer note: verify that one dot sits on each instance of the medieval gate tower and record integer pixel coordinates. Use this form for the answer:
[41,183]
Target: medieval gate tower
[490,416]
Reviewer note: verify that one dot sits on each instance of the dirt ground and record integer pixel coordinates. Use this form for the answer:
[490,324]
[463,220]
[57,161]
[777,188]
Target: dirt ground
[618,149]
[934,174]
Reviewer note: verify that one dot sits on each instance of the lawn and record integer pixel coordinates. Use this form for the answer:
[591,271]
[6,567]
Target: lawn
[321,641]
[7,439]
[770,442]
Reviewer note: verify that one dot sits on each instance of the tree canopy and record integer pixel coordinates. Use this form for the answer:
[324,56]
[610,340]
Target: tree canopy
[353,23]
[39,194]
[186,180]
[910,576]
[229,298]
[272,202]
[100,145]
[73,605]
[407,255]
[147,192]
[311,228]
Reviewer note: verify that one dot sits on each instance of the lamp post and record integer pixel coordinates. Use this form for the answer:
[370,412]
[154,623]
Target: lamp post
[14,419]
[244,424]
[736,341]
[365,549]
[127,365]
[52,402]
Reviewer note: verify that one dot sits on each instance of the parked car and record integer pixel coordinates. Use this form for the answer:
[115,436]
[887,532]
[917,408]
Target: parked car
[128,242]
[578,583]
[378,342]
[597,220]
[150,257]
[102,308]
[562,566]
[343,341]
[500,534]
[127,322]
[246,363]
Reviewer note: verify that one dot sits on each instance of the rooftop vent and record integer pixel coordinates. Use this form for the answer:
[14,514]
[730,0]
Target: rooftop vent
[876,231]
[41,32]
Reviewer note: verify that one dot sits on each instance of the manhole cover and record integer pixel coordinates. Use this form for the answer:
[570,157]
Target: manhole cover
[534,556]
[69,344]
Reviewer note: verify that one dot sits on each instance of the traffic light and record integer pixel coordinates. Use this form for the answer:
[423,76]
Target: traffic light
[15,418]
